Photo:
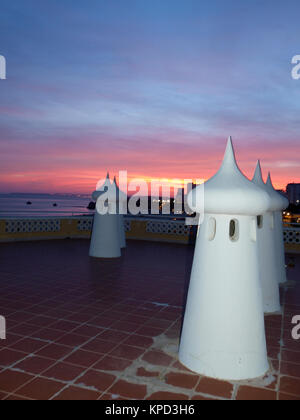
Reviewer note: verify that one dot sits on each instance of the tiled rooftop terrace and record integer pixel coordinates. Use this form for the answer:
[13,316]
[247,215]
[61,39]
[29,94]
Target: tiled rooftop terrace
[79,328]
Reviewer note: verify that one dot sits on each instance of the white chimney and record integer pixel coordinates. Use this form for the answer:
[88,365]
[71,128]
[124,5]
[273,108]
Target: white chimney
[105,240]
[223,333]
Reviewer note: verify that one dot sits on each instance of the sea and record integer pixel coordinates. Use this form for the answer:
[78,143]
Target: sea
[43,206]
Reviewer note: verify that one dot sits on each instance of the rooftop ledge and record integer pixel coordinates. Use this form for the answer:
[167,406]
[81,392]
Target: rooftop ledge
[160,229]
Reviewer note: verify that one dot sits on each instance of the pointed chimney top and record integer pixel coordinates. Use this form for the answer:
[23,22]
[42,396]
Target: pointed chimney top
[269,181]
[230,192]
[281,202]
[229,161]
[102,187]
[258,178]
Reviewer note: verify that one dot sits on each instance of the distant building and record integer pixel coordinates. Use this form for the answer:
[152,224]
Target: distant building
[293,193]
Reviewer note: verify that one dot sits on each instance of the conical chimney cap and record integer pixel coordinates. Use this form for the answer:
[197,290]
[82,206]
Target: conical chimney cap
[258,178]
[229,191]
[102,187]
[276,201]
[282,202]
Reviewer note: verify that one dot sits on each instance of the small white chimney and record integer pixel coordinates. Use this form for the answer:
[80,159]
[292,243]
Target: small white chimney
[105,240]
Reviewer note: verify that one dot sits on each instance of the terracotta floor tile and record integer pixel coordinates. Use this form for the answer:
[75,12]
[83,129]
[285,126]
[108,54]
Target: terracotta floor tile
[78,317]
[290,385]
[112,364]
[253,394]
[35,365]
[124,308]
[272,342]
[57,313]
[25,330]
[83,358]
[124,326]
[138,320]
[182,380]
[289,369]
[127,352]
[147,373]
[88,331]
[63,372]
[66,326]
[9,357]
[273,332]
[129,390]
[41,321]
[10,340]
[48,334]
[54,351]
[164,396]
[159,323]
[40,389]
[293,345]
[98,380]
[139,341]
[113,336]
[99,346]
[149,331]
[20,316]
[157,358]
[29,345]
[167,316]
[73,393]
[114,315]
[102,322]
[291,356]
[214,387]
[11,380]
[72,340]
[145,313]
[288,397]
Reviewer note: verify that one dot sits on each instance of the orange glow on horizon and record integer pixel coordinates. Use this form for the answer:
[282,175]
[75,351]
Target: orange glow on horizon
[57,175]
[86,181]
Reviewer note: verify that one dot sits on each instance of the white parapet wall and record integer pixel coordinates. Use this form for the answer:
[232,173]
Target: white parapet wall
[139,228]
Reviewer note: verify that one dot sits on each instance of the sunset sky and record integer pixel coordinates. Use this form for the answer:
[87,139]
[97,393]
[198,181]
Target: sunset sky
[153,87]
